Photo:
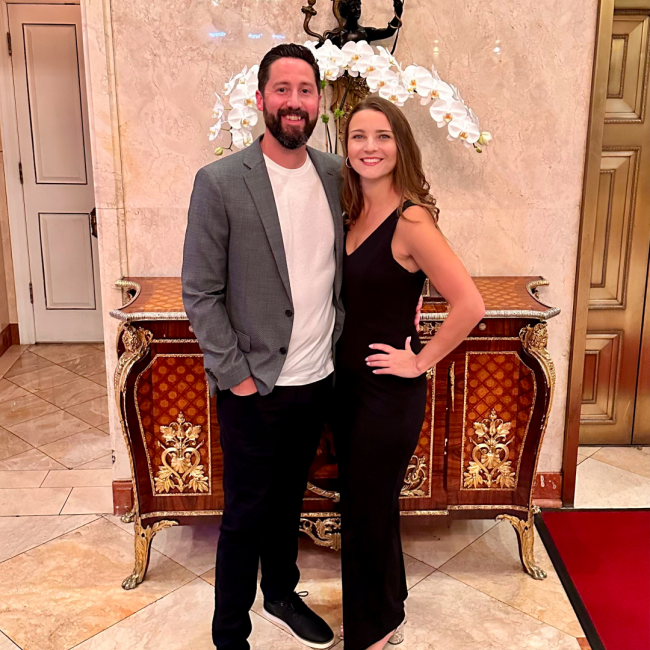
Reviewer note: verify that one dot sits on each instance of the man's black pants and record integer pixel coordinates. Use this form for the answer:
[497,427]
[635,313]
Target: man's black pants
[268,445]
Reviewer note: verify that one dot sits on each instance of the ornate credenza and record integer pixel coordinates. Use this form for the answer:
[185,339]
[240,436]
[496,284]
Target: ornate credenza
[487,410]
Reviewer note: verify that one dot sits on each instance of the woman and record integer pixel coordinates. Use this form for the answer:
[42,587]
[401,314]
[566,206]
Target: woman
[392,245]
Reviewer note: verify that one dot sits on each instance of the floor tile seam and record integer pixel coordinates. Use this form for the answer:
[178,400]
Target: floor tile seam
[4,634]
[80,418]
[539,620]
[59,362]
[420,561]
[2,375]
[66,501]
[18,454]
[631,471]
[13,424]
[88,430]
[46,475]
[253,612]
[63,408]
[34,391]
[601,462]
[153,602]
[10,399]
[31,548]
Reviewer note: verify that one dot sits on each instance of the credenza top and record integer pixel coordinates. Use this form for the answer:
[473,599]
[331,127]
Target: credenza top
[156,298]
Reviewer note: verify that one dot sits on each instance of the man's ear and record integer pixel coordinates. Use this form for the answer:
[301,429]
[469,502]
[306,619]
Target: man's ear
[259,99]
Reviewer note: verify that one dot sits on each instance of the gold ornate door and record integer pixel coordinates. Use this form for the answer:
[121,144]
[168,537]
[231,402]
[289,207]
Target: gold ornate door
[612,382]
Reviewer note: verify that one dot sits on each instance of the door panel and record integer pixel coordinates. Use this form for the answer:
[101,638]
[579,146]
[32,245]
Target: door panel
[53,84]
[53,131]
[621,243]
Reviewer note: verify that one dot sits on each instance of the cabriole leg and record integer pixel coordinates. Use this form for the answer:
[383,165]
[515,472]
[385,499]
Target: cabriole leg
[526,537]
[143,539]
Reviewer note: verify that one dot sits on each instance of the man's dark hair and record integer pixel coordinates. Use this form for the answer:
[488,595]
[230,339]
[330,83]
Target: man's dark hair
[285,50]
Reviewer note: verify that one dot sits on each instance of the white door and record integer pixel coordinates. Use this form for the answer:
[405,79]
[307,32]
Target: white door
[51,106]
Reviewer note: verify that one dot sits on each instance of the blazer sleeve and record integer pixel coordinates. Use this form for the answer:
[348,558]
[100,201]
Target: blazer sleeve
[204,279]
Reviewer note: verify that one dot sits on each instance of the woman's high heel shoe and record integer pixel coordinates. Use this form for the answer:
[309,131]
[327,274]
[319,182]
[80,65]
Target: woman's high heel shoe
[398,634]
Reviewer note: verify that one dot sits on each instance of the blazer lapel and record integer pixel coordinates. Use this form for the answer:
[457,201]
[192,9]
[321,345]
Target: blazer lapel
[259,185]
[331,185]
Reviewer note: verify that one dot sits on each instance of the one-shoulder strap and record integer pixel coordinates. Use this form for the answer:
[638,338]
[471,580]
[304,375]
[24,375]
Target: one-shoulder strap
[407,204]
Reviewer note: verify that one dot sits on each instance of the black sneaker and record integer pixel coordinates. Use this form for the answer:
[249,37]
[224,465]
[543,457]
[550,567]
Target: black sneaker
[295,617]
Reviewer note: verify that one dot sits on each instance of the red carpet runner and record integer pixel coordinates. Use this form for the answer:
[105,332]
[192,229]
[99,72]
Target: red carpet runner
[603,560]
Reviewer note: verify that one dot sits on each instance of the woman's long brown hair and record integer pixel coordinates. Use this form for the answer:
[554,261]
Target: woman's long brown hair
[408,176]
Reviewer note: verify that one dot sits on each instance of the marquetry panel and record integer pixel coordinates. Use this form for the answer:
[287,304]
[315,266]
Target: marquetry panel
[173,406]
[613,229]
[500,392]
[601,377]
[628,70]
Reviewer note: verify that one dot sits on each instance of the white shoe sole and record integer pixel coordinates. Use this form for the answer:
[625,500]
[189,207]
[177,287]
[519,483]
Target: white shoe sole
[310,644]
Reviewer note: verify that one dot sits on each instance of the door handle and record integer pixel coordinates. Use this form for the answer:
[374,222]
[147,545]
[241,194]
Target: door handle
[93,222]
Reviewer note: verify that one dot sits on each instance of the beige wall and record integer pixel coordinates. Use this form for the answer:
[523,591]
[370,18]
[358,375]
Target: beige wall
[153,68]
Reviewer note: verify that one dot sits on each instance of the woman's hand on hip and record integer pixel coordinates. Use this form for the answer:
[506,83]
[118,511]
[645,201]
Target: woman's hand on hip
[401,363]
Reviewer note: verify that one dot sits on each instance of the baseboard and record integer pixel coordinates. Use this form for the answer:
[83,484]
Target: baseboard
[122,497]
[8,337]
[547,492]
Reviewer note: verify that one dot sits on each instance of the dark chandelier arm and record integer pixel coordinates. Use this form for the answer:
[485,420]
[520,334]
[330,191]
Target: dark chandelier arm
[310,12]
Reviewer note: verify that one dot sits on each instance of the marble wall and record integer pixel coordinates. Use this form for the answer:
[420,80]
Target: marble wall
[153,68]
[8,312]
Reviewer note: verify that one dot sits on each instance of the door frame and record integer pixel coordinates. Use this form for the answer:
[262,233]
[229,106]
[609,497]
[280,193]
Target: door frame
[586,237]
[14,188]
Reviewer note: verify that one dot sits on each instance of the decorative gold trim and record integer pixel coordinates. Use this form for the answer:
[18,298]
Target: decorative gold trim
[416,476]
[324,532]
[327,494]
[532,287]
[490,455]
[129,284]
[147,315]
[136,344]
[183,513]
[489,507]
[143,538]
[128,517]
[535,340]
[492,338]
[152,479]
[526,537]
[429,329]
[501,313]
[184,458]
[524,437]
[412,513]
[195,341]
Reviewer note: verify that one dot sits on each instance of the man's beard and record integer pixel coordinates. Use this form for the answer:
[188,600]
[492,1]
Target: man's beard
[293,137]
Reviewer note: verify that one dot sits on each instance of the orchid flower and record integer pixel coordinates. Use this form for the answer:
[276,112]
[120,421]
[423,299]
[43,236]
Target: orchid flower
[395,93]
[358,57]
[445,111]
[381,77]
[242,117]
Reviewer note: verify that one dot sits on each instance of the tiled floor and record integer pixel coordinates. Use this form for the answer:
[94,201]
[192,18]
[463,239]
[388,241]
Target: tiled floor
[63,559]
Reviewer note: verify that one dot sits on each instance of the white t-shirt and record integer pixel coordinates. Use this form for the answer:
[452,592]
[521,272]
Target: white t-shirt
[308,236]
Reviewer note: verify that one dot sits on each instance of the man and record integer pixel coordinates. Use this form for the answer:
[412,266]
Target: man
[261,287]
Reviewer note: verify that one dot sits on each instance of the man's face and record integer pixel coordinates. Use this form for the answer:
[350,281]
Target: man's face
[290,102]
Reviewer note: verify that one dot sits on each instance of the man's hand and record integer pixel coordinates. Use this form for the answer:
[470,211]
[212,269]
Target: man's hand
[247,387]
[417,314]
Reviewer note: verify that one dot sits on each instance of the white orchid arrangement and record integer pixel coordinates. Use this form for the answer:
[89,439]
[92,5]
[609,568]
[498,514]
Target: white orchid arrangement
[383,75]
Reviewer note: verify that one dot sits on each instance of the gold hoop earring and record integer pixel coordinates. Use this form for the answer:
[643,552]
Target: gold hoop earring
[347,163]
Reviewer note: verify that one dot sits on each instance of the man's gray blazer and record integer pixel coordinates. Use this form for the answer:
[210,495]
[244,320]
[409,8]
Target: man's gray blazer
[236,287]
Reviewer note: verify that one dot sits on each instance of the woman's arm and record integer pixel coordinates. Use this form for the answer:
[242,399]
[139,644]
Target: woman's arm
[422,243]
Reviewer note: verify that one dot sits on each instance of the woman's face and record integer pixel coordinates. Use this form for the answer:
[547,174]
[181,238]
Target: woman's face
[371,145]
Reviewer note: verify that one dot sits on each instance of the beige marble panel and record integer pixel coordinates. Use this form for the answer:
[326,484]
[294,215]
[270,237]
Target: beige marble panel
[78,478]
[30,460]
[61,352]
[632,459]
[106,427]
[26,362]
[95,411]
[599,485]
[445,613]
[491,565]
[23,479]
[149,629]
[87,365]
[88,566]
[76,392]
[79,449]
[194,547]
[9,391]
[48,428]
[32,501]
[89,500]
[10,445]
[436,539]
[19,534]
[23,409]
[10,357]
[105,462]
[44,378]
[99,346]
